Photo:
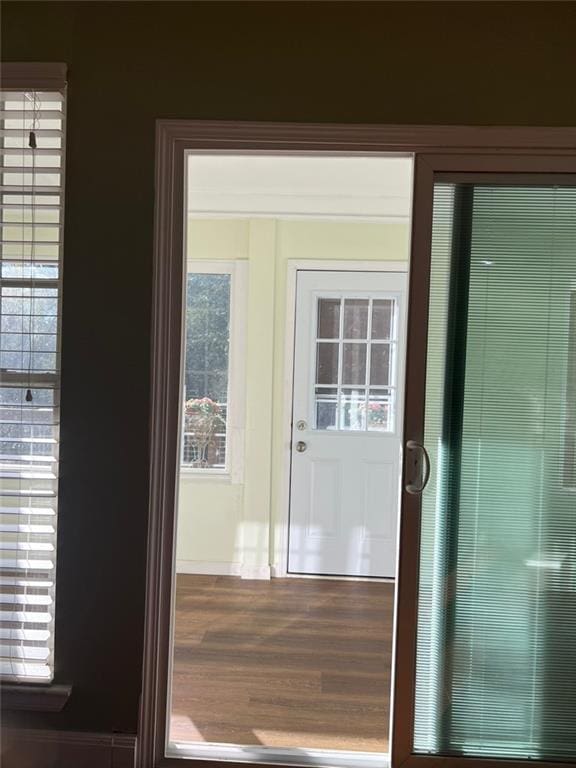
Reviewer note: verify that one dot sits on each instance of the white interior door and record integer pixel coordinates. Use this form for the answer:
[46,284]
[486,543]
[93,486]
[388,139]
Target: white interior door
[347,423]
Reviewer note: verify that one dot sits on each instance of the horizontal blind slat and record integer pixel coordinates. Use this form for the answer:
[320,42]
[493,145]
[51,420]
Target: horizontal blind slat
[24,634]
[19,114]
[25,599]
[18,189]
[24,527]
[24,671]
[27,546]
[26,565]
[27,652]
[17,133]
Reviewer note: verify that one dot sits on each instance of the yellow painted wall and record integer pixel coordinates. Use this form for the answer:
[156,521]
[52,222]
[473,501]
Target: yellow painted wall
[232,525]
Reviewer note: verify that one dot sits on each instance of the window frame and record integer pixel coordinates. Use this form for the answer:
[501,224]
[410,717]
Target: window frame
[437,149]
[52,695]
[233,470]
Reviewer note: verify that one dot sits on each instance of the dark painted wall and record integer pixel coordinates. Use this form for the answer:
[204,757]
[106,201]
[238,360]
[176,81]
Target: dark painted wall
[130,63]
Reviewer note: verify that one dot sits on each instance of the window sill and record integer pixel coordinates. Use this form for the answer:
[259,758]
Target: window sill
[214,475]
[34,698]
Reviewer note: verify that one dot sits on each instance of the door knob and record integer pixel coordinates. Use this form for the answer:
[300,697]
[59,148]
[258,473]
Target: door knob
[301,446]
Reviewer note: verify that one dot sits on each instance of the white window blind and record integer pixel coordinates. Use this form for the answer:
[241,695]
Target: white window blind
[32,200]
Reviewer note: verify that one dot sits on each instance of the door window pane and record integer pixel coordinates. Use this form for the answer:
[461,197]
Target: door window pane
[497,599]
[380,365]
[354,363]
[327,363]
[356,318]
[353,409]
[328,318]
[326,407]
[382,318]
[379,411]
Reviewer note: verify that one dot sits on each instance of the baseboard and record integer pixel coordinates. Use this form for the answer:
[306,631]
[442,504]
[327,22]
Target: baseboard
[203,568]
[31,748]
[280,573]
[255,572]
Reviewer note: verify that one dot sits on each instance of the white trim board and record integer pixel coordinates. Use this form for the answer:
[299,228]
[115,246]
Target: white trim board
[329,758]
[275,574]
[306,185]
[281,513]
[205,568]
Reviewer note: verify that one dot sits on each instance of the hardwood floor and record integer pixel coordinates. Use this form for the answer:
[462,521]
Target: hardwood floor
[282,663]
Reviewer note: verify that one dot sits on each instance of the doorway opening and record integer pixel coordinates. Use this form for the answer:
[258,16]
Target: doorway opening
[292,370]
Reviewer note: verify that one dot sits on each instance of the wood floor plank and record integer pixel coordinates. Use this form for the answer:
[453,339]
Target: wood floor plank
[282,663]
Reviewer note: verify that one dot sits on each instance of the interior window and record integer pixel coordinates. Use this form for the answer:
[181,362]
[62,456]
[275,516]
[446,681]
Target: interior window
[207,345]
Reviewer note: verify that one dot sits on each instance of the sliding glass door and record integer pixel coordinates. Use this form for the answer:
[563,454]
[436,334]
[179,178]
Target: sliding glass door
[494,657]
[484,618]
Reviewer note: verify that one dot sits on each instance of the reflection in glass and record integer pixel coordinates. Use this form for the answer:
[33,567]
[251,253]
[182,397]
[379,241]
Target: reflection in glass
[353,409]
[379,411]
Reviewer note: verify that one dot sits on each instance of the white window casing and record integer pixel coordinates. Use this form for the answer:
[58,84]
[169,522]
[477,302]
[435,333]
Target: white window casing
[236,401]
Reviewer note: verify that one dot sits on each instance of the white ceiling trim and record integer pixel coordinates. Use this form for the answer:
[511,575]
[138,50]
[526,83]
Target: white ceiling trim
[376,188]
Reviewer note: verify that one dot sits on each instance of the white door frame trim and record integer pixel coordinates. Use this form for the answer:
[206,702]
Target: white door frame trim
[281,512]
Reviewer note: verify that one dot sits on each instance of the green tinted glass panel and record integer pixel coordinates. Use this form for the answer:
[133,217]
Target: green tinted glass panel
[496,650]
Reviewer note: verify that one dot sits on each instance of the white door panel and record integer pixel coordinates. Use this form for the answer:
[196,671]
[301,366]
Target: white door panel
[325,493]
[347,416]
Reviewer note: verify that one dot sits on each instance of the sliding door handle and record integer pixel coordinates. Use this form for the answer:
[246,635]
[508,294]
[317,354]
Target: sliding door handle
[417,465]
